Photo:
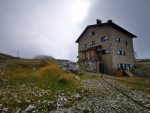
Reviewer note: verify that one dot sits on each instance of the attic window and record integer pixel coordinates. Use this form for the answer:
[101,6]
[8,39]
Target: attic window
[104,38]
[117,39]
[93,33]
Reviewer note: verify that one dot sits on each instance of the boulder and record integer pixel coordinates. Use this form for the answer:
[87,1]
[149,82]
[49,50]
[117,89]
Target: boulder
[70,67]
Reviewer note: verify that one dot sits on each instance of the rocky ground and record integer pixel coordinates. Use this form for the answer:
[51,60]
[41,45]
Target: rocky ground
[101,98]
[93,96]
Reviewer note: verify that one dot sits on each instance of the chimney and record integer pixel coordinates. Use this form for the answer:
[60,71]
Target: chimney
[109,21]
[98,21]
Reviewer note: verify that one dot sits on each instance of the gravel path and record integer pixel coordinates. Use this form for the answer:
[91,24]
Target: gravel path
[102,98]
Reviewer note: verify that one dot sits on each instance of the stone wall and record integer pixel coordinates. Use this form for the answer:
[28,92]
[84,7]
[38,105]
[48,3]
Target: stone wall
[111,59]
[90,66]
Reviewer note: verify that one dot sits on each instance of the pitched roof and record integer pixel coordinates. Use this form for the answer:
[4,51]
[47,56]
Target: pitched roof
[108,23]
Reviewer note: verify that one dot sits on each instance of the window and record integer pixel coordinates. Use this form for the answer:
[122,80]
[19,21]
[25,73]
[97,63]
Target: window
[122,66]
[85,45]
[130,66]
[117,39]
[93,43]
[126,42]
[123,53]
[119,52]
[106,51]
[93,33]
[104,38]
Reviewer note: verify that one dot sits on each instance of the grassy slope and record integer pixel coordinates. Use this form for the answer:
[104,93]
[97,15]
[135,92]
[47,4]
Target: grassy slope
[43,74]
[137,83]
[142,68]
[34,82]
[47,75]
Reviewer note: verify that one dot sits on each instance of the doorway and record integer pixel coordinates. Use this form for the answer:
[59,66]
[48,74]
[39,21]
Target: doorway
[101,68]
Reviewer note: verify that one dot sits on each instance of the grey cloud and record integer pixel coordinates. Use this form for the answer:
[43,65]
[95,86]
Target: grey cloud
[47,27]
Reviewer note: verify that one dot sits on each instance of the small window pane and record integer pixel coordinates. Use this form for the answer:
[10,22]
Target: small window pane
[118,39]
[104,38]
[126,42]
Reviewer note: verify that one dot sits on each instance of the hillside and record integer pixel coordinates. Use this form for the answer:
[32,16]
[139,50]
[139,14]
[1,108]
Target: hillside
[40,86]
[4,56]
[142,68]
[43,57]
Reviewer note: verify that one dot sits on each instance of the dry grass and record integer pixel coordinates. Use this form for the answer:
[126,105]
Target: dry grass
[43,74]
[137,83]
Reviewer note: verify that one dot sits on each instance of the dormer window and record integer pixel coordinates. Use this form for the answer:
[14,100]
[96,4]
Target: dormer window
[104,38]
[117,39]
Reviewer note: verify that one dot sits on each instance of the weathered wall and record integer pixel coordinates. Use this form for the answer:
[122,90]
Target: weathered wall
[99,32]
[129,56]
[112,59]
[89,66]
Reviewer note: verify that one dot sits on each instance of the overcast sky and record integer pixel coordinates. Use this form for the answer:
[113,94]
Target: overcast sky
[51,27]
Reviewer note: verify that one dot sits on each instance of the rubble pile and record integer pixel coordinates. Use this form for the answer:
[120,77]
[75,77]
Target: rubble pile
[70,67]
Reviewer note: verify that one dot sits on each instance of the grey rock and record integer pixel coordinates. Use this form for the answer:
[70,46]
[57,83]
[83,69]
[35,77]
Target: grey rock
[70,67]
[34,69]
[30,108]
[77,95]
[88,66]
[77,77]
[1,106]
[18,110]
[5,109]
